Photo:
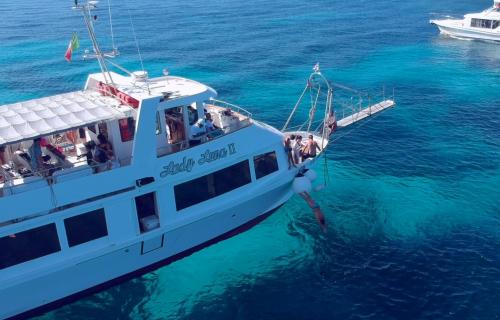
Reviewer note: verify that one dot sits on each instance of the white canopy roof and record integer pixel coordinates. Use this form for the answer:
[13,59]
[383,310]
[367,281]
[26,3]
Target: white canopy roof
[39,117]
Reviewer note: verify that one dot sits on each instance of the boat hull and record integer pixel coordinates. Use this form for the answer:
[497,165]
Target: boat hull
[90,276]
[468,33]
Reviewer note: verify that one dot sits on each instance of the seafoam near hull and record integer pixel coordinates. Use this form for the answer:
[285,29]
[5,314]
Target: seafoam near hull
[74,278]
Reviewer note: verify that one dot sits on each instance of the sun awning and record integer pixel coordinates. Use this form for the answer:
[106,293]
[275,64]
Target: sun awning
[40,117]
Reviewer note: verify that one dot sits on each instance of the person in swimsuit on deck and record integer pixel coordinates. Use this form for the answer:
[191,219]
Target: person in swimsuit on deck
[309,150]
[288,150]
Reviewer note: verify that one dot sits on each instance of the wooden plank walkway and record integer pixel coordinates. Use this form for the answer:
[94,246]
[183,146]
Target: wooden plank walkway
[365,113]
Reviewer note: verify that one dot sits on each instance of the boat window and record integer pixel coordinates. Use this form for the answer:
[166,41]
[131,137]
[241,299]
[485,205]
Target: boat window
[147,214]
[483,23]
[175,126]
[28,245]
[86,227]
[265,164]
[495,24]
[212,185]
[127,128]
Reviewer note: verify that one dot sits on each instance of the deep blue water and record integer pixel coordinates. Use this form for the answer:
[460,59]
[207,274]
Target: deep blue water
[413,203]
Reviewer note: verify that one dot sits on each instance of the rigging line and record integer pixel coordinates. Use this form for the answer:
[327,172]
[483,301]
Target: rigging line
[340,86]
[111,26]
[312,112]
[137,46]
[116,65]
[135,38]
[326,173]
[294,109]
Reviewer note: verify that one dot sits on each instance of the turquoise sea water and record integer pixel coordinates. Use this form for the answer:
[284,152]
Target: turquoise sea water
[413,203]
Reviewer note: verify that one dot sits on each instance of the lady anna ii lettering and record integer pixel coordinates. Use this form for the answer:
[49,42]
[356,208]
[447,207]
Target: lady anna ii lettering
[188,164]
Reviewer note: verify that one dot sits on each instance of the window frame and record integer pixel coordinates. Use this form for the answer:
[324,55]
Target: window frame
[72,221]
[259,175]
[127,133]
[51,241]
[211,185]
[139,211]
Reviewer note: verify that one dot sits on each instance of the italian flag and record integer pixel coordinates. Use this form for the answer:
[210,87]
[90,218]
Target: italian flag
[74,43]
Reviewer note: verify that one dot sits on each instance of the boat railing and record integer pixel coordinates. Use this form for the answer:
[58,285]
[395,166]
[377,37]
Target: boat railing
[226,119]
[361,104]
[365,102]
[10,185]
[233,107]
[317,125]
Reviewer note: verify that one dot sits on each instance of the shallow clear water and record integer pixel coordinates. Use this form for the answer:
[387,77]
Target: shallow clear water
[413,202]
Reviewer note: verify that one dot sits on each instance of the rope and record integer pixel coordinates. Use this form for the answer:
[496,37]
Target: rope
[326,174]
[294,109]
[313,110]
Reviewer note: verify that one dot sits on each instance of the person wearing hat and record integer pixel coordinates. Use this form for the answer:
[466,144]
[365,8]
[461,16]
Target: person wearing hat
[197,132]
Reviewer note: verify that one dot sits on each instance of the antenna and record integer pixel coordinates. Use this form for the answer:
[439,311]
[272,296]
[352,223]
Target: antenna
[137,46]
[87,17]
[115,49]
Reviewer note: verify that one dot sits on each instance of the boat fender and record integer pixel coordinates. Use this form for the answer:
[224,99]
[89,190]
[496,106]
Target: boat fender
[311,175]
[301,184]
[144,181]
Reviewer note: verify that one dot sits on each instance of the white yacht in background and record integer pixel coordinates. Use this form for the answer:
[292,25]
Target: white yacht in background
[484,25]
[101,185]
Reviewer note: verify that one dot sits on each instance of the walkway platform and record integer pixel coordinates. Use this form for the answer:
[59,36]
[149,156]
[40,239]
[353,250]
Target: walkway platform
[365,113]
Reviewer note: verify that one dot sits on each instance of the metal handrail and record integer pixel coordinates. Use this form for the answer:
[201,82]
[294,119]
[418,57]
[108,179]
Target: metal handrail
[50,179]
[233,106]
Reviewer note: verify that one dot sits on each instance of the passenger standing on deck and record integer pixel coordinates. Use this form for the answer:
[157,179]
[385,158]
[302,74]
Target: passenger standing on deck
[288,150]
[36,156]
[296,149]
[209,123]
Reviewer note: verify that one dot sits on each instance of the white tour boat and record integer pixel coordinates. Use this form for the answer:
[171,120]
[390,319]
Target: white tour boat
[129,174]
[484,25]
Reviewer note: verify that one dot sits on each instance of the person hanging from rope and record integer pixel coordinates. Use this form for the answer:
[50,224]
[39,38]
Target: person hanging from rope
[320,217]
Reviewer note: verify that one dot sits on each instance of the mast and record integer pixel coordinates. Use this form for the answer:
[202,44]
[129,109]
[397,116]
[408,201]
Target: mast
[86,10]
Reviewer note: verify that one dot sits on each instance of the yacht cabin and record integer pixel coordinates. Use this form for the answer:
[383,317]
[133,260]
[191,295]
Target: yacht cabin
[484,25]
[488,19]
[55,139]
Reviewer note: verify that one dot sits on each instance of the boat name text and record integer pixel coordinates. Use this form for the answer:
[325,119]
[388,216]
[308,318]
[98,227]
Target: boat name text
[188,164]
